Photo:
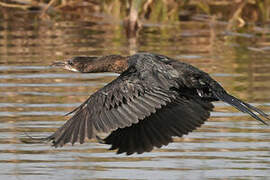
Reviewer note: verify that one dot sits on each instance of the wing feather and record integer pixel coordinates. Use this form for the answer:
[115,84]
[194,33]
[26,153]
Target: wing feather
[82,132]
[177,118]
[120,104]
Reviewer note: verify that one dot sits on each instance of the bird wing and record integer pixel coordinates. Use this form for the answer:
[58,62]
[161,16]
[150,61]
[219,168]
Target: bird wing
[177,118]
[122,103]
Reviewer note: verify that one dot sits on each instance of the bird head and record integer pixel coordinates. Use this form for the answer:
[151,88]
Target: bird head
[76,64]
[92,64]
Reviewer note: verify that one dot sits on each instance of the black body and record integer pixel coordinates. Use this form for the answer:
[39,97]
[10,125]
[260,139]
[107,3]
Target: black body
[154,99]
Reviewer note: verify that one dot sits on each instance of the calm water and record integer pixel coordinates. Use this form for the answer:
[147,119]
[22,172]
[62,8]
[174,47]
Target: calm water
[34,98]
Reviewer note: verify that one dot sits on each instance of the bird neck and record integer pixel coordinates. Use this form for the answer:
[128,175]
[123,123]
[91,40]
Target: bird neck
[111,63]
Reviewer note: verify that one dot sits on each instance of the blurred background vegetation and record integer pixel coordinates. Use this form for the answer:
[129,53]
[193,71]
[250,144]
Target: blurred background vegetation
[237,12]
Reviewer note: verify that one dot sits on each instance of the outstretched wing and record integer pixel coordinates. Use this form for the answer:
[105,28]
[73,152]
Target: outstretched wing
[177,118]
[122,103]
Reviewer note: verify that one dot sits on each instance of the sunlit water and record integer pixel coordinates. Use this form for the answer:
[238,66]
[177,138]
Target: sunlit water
[34,98]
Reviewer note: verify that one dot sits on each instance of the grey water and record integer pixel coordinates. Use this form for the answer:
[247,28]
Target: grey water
[34,98]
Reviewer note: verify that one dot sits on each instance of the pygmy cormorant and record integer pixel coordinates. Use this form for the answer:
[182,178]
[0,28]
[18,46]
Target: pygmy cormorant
[154,98]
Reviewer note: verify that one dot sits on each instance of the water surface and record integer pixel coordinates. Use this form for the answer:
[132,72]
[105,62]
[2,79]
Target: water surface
[34,98]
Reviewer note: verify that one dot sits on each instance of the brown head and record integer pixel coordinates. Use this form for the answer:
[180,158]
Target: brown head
[85,64]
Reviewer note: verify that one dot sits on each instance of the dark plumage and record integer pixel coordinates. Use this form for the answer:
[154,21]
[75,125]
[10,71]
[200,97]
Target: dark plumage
[154,98]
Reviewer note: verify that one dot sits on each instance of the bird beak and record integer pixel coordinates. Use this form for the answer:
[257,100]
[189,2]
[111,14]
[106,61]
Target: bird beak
[64,65]
[58,64]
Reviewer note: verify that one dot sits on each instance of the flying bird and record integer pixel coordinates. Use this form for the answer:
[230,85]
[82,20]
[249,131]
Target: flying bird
[152,100]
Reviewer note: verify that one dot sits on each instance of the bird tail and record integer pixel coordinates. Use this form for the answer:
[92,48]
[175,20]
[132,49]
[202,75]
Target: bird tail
[242,106]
